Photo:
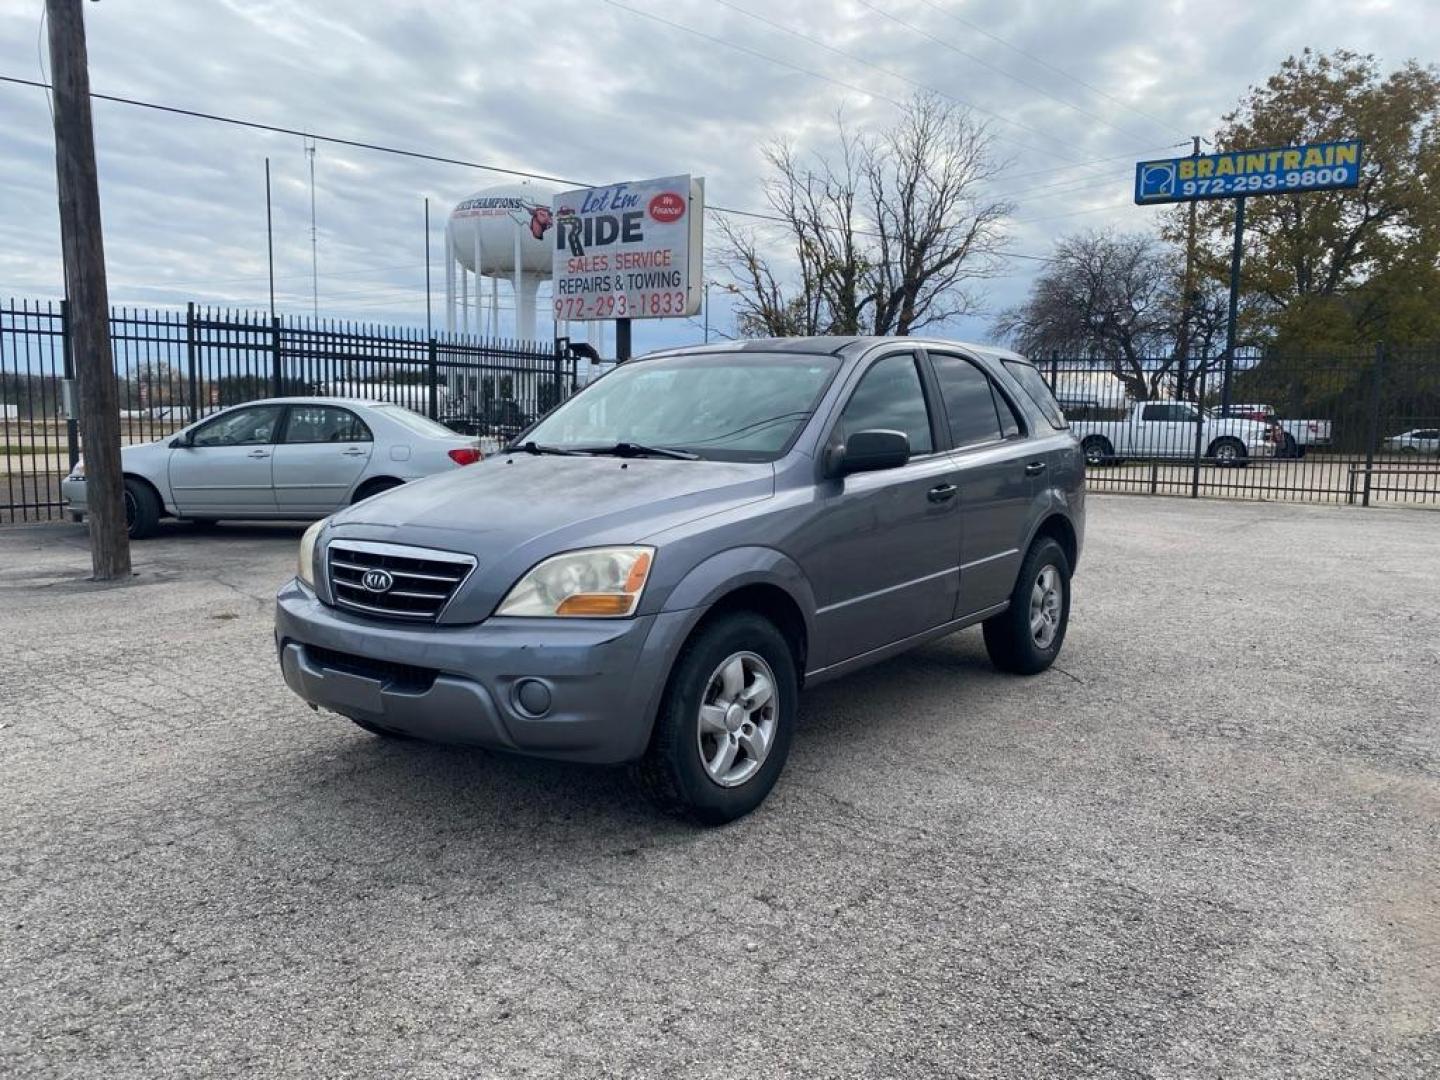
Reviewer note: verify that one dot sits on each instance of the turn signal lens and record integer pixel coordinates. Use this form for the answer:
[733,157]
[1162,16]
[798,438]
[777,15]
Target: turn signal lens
[601,583]
[465,455]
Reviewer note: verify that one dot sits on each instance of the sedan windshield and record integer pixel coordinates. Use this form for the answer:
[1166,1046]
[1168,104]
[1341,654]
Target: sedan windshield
[723,406]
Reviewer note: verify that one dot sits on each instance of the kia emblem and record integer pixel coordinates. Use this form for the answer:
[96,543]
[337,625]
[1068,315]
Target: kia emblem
[377,581]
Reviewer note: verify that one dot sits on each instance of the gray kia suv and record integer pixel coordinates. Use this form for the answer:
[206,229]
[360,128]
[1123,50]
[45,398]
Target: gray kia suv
[653,571]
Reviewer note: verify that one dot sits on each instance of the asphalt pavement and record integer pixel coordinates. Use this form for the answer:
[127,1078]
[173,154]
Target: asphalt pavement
[1207,844]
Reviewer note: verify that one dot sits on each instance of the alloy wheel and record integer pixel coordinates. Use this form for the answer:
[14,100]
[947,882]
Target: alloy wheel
[1045,607]
[738,714]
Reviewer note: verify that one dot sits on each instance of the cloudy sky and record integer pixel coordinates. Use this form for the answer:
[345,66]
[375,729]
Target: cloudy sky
[597,91]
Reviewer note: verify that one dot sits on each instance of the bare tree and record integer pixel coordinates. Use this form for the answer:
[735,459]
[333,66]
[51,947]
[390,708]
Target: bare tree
[881,237]
[1116,297]
[937,231]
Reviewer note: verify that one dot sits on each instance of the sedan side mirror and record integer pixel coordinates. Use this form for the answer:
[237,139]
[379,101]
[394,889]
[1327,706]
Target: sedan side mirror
[181,442]
[868,451]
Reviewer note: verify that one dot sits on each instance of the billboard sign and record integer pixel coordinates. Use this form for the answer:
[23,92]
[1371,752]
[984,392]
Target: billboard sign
[630,250]
[1274,171]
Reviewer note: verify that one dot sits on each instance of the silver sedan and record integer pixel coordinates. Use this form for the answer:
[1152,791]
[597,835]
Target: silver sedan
[292,458]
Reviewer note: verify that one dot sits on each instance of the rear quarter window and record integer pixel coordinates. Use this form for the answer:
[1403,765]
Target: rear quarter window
[1033,383]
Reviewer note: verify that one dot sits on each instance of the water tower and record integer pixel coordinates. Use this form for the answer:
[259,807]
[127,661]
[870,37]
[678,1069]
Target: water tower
[503,232]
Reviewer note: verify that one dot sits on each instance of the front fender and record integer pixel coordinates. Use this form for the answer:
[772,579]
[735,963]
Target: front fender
[723,573]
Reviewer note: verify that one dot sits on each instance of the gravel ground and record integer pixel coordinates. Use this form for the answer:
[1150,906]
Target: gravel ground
[1209,846]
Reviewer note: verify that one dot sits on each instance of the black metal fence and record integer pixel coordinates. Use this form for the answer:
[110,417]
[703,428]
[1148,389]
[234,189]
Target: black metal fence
[1361,429]
[176,366]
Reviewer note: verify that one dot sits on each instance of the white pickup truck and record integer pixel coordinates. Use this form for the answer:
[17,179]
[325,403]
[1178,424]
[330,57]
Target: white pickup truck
[1165,429]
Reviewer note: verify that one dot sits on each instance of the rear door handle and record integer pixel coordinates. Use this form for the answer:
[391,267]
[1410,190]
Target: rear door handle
[941,492]
[1035,468]
[352,452]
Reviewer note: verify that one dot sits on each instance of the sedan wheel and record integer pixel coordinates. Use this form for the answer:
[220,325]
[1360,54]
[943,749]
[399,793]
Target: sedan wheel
[737,719]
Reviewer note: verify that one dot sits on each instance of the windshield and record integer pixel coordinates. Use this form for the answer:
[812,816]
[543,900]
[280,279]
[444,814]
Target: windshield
[722,406]
[421,425]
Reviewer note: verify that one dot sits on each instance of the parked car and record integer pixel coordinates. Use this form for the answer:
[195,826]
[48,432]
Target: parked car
[291,458]
[1166,429]
[1415,441]
[1293,438]
[500,416]
[654,571]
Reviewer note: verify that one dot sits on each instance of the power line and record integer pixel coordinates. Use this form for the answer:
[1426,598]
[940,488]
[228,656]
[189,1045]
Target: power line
[421,155]
[1049,66]
[998,70]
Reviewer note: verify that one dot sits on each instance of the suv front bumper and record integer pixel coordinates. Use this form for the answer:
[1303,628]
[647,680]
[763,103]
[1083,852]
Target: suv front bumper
[599,680]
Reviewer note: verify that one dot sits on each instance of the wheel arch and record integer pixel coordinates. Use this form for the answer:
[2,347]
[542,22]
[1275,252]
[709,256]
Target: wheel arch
[749,579]
[139,478]
[372,485]
[1058,527]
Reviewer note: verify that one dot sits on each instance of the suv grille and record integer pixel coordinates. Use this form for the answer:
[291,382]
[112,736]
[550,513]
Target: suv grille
[403,582]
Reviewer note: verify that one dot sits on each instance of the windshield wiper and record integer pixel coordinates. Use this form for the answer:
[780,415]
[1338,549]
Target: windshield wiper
[532,447]
[632,449]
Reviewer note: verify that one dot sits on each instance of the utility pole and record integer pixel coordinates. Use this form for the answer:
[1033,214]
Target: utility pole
[1187,301]
[88,297]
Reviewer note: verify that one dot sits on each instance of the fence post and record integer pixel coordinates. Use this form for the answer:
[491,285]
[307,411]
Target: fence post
[67,360]
[1054,371]
[432,369]
[559,375]
[1199,433]
[192,367]
[277,374]
[1372,429]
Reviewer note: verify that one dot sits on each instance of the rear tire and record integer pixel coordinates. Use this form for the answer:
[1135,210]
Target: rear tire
[1026,637]
[1098,451]
[717,747]
[142,509]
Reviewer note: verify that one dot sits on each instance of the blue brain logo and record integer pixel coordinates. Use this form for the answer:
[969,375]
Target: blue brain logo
[1157,181]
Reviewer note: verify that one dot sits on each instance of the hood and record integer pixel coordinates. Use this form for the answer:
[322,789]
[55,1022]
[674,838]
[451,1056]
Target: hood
[512,510]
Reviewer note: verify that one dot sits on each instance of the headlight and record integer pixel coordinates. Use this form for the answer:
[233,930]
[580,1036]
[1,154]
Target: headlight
[598,582]
[306,569]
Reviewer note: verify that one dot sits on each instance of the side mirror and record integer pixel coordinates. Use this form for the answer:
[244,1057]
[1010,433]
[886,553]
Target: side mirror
[868,451]
[181,442]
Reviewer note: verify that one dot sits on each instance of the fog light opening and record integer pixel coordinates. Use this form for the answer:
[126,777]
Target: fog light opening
[532,697]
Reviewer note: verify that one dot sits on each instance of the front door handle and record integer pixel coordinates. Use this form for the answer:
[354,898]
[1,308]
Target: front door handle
[941,492]
[1035,468]
[259,453]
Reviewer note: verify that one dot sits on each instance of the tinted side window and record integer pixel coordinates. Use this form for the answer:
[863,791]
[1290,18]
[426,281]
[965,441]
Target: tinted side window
[1033,383]
[324,424]
[890,397]
[1157,413]
[243,427]
[969,401]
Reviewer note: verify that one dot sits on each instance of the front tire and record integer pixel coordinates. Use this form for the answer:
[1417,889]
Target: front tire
[142,510]
[1229,453]
[725,724]
[1026,637]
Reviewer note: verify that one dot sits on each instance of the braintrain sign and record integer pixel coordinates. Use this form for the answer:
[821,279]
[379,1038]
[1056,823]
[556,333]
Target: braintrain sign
[1276,171]
[629,250]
